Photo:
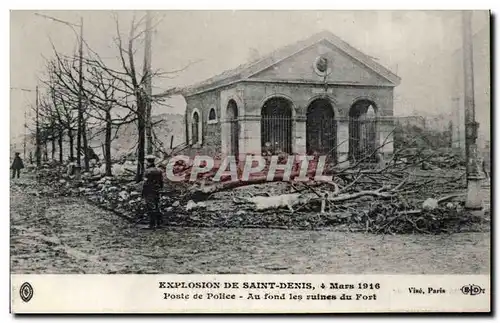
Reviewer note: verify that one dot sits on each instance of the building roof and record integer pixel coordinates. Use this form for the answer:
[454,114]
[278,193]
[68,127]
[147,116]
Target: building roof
[249,69]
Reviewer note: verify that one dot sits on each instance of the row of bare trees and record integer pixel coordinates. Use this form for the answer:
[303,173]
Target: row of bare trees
[111,95]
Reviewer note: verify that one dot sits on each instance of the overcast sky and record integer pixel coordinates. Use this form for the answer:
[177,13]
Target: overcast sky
[414,44]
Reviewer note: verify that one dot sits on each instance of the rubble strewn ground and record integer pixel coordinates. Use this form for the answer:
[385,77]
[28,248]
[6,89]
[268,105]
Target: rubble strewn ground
[403,194]
[62,235]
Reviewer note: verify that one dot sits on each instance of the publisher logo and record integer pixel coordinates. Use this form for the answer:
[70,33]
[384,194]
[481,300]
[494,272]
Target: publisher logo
[472,290]
[26,292]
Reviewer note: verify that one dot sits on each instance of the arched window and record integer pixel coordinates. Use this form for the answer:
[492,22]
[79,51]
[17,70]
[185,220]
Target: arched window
[321,129]
[212,116]
[276,126]
[195,128]
[363,130]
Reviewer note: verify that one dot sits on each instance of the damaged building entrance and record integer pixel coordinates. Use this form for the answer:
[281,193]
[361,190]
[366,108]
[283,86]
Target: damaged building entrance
[321,132]
[363,131]
[234,131]
[276,126]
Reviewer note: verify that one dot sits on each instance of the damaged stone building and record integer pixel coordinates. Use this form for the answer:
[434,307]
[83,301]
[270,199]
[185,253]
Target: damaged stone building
[316,96]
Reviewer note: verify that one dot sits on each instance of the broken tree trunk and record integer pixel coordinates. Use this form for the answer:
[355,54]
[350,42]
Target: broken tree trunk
[107,143]
[60,144]
[228,185]
[273,202]
[293,199]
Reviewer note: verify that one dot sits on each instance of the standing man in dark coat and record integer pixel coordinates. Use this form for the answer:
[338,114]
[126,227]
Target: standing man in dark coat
[17,165]
[153,183]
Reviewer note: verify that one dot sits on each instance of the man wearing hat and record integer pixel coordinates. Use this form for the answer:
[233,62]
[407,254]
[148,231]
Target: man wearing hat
[17,165]
[153,183]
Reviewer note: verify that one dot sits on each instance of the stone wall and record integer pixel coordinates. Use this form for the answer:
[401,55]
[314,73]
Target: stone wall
[210,130]
[341,97]
[345,69]
[250,97]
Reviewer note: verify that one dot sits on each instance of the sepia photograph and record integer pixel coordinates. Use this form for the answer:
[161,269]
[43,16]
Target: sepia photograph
[250,142]
[103,102]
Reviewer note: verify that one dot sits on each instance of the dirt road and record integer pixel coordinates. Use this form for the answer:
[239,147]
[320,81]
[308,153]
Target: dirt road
[68,235]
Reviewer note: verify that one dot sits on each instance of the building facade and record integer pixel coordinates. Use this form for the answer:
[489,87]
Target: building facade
[316,96]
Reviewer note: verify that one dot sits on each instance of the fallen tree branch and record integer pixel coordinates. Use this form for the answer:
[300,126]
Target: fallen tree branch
[449,197]
[274,202]
[347,197]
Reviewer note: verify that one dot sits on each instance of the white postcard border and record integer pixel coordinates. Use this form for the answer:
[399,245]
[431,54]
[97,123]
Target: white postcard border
[249,293]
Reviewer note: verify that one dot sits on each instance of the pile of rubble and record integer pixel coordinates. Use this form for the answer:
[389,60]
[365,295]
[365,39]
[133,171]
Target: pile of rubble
[119,194]
[184,169]
[432,159]
[377,218]
[407,207]
[396,218]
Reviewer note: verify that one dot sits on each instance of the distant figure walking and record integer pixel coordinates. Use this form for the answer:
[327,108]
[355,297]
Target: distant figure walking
[153,183]
[17,165]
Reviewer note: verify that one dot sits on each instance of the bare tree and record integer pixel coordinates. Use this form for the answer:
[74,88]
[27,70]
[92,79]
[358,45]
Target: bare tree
[49,127]
[65,81]
[100,94]
[130,85]
[106,87]
[57,114]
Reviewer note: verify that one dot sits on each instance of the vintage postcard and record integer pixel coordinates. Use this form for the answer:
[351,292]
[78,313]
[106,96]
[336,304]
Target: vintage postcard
[241,161]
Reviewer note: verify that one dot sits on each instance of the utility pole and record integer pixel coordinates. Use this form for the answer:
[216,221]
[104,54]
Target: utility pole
[25,118]
[80,107]
[80,94]
[24,139]
[147,83]
[473,201]
[37,139]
